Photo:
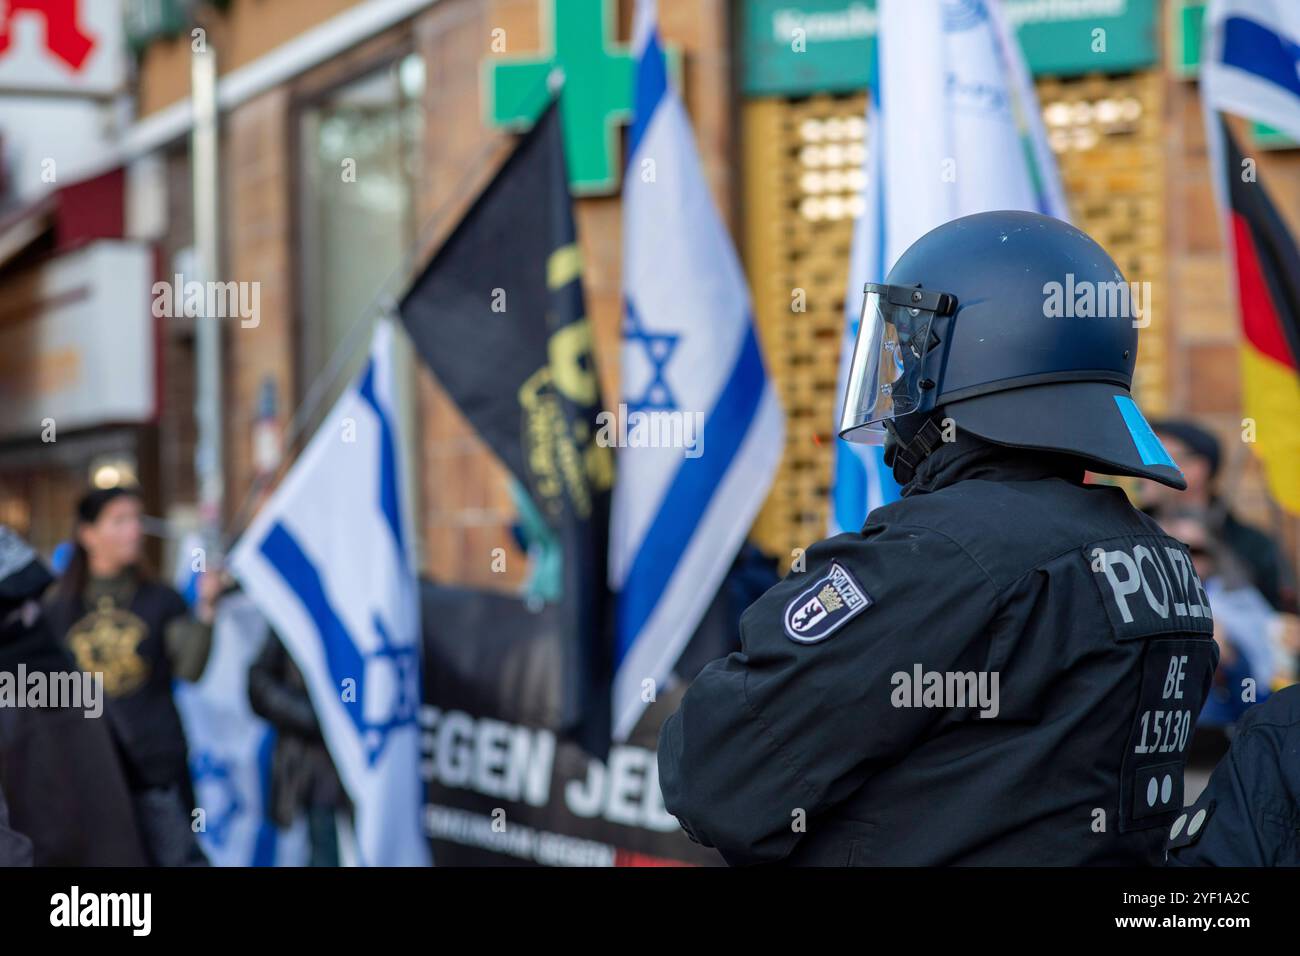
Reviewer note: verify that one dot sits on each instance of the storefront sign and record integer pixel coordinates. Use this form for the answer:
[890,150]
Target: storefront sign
[77,342]
[71,47]
[797,47]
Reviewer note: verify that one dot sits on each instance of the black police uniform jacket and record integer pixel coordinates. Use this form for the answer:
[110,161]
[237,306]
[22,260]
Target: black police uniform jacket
[1249,814]
[1077,631]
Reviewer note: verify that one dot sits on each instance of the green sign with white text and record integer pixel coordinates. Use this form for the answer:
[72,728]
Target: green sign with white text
[797,47]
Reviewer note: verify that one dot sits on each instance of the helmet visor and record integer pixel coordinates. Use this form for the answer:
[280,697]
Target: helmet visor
[885,376]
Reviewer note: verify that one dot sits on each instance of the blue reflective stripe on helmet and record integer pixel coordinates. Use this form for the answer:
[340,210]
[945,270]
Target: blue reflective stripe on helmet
[1148,445]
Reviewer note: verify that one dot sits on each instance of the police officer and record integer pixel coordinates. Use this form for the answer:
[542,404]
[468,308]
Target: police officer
[1005,666]
[1249,814]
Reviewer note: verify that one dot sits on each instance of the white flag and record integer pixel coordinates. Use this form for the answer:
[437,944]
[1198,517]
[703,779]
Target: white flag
[231,748]
[954,128]
[326,560]
[691,359]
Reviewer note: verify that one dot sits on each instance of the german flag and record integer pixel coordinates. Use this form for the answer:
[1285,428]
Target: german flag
[1268,290]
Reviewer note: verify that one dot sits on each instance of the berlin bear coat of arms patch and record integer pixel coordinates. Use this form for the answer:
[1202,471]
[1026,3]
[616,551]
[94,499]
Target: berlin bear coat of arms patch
[828,604]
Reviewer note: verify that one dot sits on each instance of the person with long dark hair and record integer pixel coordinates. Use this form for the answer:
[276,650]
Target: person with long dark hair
[117,621]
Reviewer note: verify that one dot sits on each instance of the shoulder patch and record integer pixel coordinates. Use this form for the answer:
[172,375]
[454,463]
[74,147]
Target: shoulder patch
[1189,826]
[825,606]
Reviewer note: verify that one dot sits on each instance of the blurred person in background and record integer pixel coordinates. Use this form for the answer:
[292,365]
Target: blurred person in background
[1200,455]
[60,771]
[303,778]
[1257,644]
[304,781]
[116,620]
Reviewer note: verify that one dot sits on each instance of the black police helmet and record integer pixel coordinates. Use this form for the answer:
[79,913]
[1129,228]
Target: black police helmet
[1023,330]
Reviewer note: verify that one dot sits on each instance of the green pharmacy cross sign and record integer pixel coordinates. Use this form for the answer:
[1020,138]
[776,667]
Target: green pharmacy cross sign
[597,93]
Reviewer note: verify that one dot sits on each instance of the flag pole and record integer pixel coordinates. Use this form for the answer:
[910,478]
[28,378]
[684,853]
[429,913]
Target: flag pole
[204,145]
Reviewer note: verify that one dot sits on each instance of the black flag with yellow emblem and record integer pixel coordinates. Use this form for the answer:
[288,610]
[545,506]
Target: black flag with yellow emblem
[498,315]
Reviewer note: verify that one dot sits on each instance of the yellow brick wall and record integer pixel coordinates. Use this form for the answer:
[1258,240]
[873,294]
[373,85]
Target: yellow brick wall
[1108,135]
[797,259]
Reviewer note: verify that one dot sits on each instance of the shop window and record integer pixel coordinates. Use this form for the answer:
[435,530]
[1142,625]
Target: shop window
[359,154]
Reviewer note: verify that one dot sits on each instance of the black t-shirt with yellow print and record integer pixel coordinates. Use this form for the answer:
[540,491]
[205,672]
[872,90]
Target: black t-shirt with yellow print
[139,635]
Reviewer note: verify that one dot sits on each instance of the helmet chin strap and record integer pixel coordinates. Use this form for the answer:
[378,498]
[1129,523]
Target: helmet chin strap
[904,455]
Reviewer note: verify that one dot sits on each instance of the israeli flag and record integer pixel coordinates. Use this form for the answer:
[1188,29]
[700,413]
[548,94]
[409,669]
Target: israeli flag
[1250,63]
[1250,66]
[231,747]
[690,356]
[327,561]
[982,146]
